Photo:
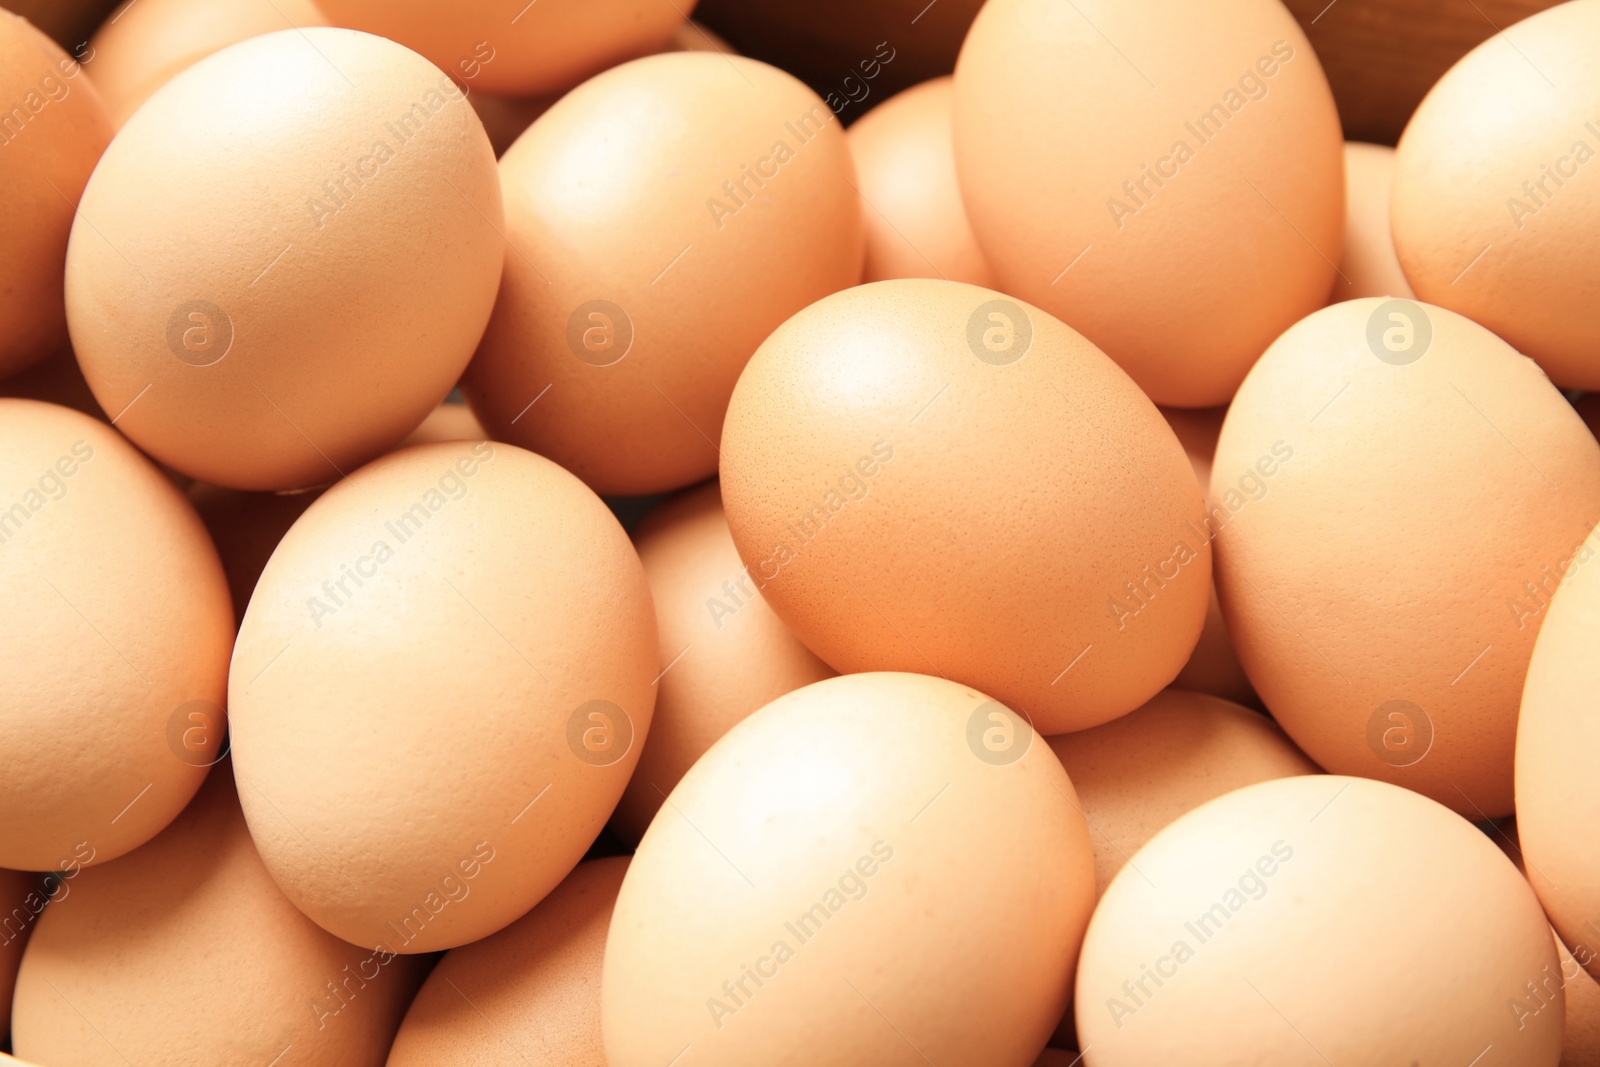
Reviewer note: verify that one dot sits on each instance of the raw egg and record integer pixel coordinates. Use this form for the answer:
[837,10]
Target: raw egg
[1393,488]
[664,218]
[53,127]
[1496,202]
[723,652]
[285,258]
[184,952]
[145,42]
[1166,179]
[438,693]
[1136,774]
[1369,266]
[896,855]
[533,987]
[929,476]
[1317,920]
[116,659]
[916,226]
[1558,797]
[520,47]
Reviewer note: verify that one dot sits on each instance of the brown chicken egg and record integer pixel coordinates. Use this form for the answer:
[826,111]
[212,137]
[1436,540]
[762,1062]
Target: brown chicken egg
[1136,774]
[1213,666]
[116,656]
[1558,797]
[1393,488]
[872,861]
[53,127]
[1166,179]
[1495,207]
[663,218]
[145,42]
[22,898]
[1317,920]
[184,952]
[520,47]
[929,476]
[285,258]
[438,693]
[916,225]
[532,988]
[723,652]
[1370,266]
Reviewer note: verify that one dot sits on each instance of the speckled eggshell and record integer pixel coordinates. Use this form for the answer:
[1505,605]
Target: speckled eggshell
[872,860]
[55,128]
[515,46]
[438,693]
[184,952]
[1137,774]
[1392,487]
[1164,178]
[916,225]
[1558,797]
[928,476]
[145,43]
[285,258]
[22,898]
[532,989]
[1370,266]
[118,628]
[1279,923]
[638,283]
[723,652]
[1495,207]
[1213,666]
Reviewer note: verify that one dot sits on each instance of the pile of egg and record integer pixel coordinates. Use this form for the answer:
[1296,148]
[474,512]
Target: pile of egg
[524,540]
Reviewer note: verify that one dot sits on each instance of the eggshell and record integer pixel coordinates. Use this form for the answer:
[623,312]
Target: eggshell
[119,630]
[1580,1039]
[1494,210]
[185,953]
[1557,796]
[21,897]
[1370,266]
[268,283]
[916,225]
[913,499]
[515,47]
[246,527]
[640,279]
[52,130]
[438,693]
[1165,179]
[447,422]
[145,42]
[1138,773]
[723,652]
[1385,516]
[533,988]
[1287,923]
[894,854]
[55,380]
[1213,666]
